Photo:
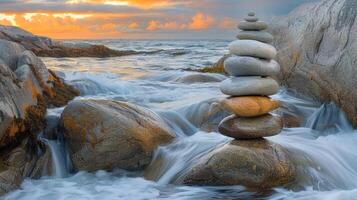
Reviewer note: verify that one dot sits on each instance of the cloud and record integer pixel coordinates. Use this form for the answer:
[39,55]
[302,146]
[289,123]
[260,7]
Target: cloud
[138,3]
[201,21]
[82,19]
[133,25]
[153,25]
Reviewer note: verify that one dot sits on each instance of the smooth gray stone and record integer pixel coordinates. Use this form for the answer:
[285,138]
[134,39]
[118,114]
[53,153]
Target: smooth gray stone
[251,19]
[252,48]
[260,36]
[250,66]
[251,14]
[252,26]
[249,85]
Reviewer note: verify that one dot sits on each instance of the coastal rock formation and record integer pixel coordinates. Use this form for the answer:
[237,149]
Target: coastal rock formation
[251,64]
[27,88]
[46,47]
[249,160]
[60,50]
[252,163]
[317,46]
[103,135]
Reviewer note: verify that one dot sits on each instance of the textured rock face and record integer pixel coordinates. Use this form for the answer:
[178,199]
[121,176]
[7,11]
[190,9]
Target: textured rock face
[103,135]
[317,50]
[26,88]
[252,163]
[19,163]
[26,39]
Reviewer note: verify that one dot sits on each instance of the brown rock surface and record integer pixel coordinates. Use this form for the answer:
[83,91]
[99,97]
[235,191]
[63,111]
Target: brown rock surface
[255,164]
[26,89]
[322,62]
[250,106]
[103,135]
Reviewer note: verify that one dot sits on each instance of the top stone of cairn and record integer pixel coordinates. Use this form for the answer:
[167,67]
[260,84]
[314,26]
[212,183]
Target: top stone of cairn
[252,23]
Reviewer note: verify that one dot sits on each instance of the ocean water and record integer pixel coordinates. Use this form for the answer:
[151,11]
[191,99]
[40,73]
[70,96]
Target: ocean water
[162,79]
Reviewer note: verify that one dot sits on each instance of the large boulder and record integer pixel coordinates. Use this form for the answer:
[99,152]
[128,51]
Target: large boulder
[252,163]
[103,135]
[317,50]
[27,88]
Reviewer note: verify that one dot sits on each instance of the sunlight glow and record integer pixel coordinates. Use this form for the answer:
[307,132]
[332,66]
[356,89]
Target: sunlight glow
[10,18]
[71,15]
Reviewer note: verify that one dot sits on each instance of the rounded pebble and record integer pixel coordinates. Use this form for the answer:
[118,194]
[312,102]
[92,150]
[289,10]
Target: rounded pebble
[249,85]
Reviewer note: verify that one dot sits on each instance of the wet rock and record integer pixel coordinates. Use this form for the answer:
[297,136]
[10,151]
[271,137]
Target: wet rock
[252,26]
[9,53]
[103,135]
[250,85]
[321,63]
[20,163]
[249,66]
[252,163]
[46,47]
[200,78]
[89,87]
[218,67]
[97,51]
[251,128]
[24,38]
[27,88]
[261,36]
[252,48]
[250,106]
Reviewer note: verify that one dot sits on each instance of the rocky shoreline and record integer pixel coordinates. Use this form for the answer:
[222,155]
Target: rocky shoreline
[108,134]
[27,89]
[46,47]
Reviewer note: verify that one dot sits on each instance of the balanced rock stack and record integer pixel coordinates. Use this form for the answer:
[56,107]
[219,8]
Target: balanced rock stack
[251,67]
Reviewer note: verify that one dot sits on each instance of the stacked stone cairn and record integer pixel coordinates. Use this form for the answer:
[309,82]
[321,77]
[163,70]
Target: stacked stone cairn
[251,67]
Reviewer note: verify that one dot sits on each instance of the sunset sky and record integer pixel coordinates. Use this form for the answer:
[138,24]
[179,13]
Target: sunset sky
[136,19]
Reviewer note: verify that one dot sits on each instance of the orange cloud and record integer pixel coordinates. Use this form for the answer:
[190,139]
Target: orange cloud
[227,23]
[133,25]
[138,3]
[153,25]
[201,21]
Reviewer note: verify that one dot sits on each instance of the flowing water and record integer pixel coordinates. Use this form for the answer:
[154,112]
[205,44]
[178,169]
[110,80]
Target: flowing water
[323,149]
